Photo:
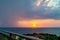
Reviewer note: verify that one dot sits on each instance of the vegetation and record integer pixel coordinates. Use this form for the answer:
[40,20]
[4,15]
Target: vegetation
[4,38]
[20,38]
[45,36]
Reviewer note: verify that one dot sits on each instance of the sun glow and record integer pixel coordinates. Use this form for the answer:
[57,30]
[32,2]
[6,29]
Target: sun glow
[30,24]
[40,23]
[34,24]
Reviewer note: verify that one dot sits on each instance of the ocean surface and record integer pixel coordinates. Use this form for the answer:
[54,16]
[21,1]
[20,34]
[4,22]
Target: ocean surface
[31,30]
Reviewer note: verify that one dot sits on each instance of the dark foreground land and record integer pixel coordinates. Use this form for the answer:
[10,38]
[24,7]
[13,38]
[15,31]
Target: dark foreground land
[43,36]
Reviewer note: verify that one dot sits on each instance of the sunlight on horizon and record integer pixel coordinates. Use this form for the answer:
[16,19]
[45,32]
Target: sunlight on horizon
[29,24]
[34,24]
[38,23]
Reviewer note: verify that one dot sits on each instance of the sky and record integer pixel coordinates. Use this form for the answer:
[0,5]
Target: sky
[30,13]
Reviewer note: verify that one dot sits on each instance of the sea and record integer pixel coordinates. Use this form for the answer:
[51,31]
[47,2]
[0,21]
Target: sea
[33,30]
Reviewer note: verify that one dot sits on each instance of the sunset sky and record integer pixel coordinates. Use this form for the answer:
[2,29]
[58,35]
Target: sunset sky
[30,13]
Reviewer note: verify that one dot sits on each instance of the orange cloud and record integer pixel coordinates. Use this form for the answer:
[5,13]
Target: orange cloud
[38,23]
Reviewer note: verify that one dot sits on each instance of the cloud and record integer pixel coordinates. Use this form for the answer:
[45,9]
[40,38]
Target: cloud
[46,9]
[0,23]
[38,2]
[13,10]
